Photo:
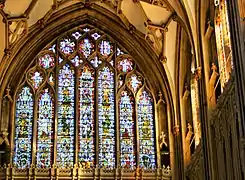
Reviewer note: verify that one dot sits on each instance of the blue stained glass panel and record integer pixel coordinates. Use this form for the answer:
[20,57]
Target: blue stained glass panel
[106,118]
[86,121]
[146,130]
[23,128]
[65,137]
[127,132]
[45,130]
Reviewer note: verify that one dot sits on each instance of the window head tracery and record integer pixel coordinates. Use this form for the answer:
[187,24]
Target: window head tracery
[84,89]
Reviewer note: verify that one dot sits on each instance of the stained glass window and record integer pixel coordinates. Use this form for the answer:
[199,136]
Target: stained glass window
[135,82]
[105,48]
[127,130]
[23,128]
[222,33]
[36,79]
[106,118]
[67,46]
[86,121]
[86,47]
[89,98]
[45,130]
[46,61]
[125,65]
[146,130]
[65,138]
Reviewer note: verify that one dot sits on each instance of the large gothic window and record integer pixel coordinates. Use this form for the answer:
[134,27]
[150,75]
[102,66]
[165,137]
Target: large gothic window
[223,41]
[84,101]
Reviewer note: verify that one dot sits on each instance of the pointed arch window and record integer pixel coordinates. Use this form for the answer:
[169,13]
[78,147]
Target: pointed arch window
[223,41]
[84,101]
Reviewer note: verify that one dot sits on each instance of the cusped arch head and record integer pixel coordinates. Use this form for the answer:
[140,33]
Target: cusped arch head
[24,52]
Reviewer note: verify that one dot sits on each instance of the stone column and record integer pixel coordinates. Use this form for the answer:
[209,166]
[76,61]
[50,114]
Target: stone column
[238,55]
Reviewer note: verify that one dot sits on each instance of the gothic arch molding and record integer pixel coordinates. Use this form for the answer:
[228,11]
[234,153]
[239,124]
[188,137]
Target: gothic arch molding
[24,52]
[27,48]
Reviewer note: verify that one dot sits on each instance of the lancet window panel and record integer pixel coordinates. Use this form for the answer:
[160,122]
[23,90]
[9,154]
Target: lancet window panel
[223,42]
[84,102]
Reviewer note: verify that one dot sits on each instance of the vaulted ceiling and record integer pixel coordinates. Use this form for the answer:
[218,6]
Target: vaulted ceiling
[155,19]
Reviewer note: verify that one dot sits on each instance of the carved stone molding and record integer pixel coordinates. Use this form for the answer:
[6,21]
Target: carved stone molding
[78,172]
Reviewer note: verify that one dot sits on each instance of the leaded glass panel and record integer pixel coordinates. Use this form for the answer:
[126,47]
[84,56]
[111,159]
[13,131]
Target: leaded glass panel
[23,128]
[45,130]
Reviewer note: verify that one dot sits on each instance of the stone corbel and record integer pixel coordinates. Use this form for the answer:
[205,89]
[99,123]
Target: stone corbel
[5,117]
[155,37]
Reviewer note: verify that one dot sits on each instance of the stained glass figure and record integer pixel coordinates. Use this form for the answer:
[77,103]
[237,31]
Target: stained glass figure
[23,128]
[146,130]
[96,36]
[127,131]
[86,47]
[76,35]
[86,139]
[125,65]
[65,136]
[105,48]
[135,82]
[45,130]
[106,110]
[36,79]
[46,61]
[95,61]
[67,46]
[77,61]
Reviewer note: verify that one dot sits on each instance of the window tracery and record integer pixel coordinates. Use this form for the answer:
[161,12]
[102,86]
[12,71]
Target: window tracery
[81,91]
